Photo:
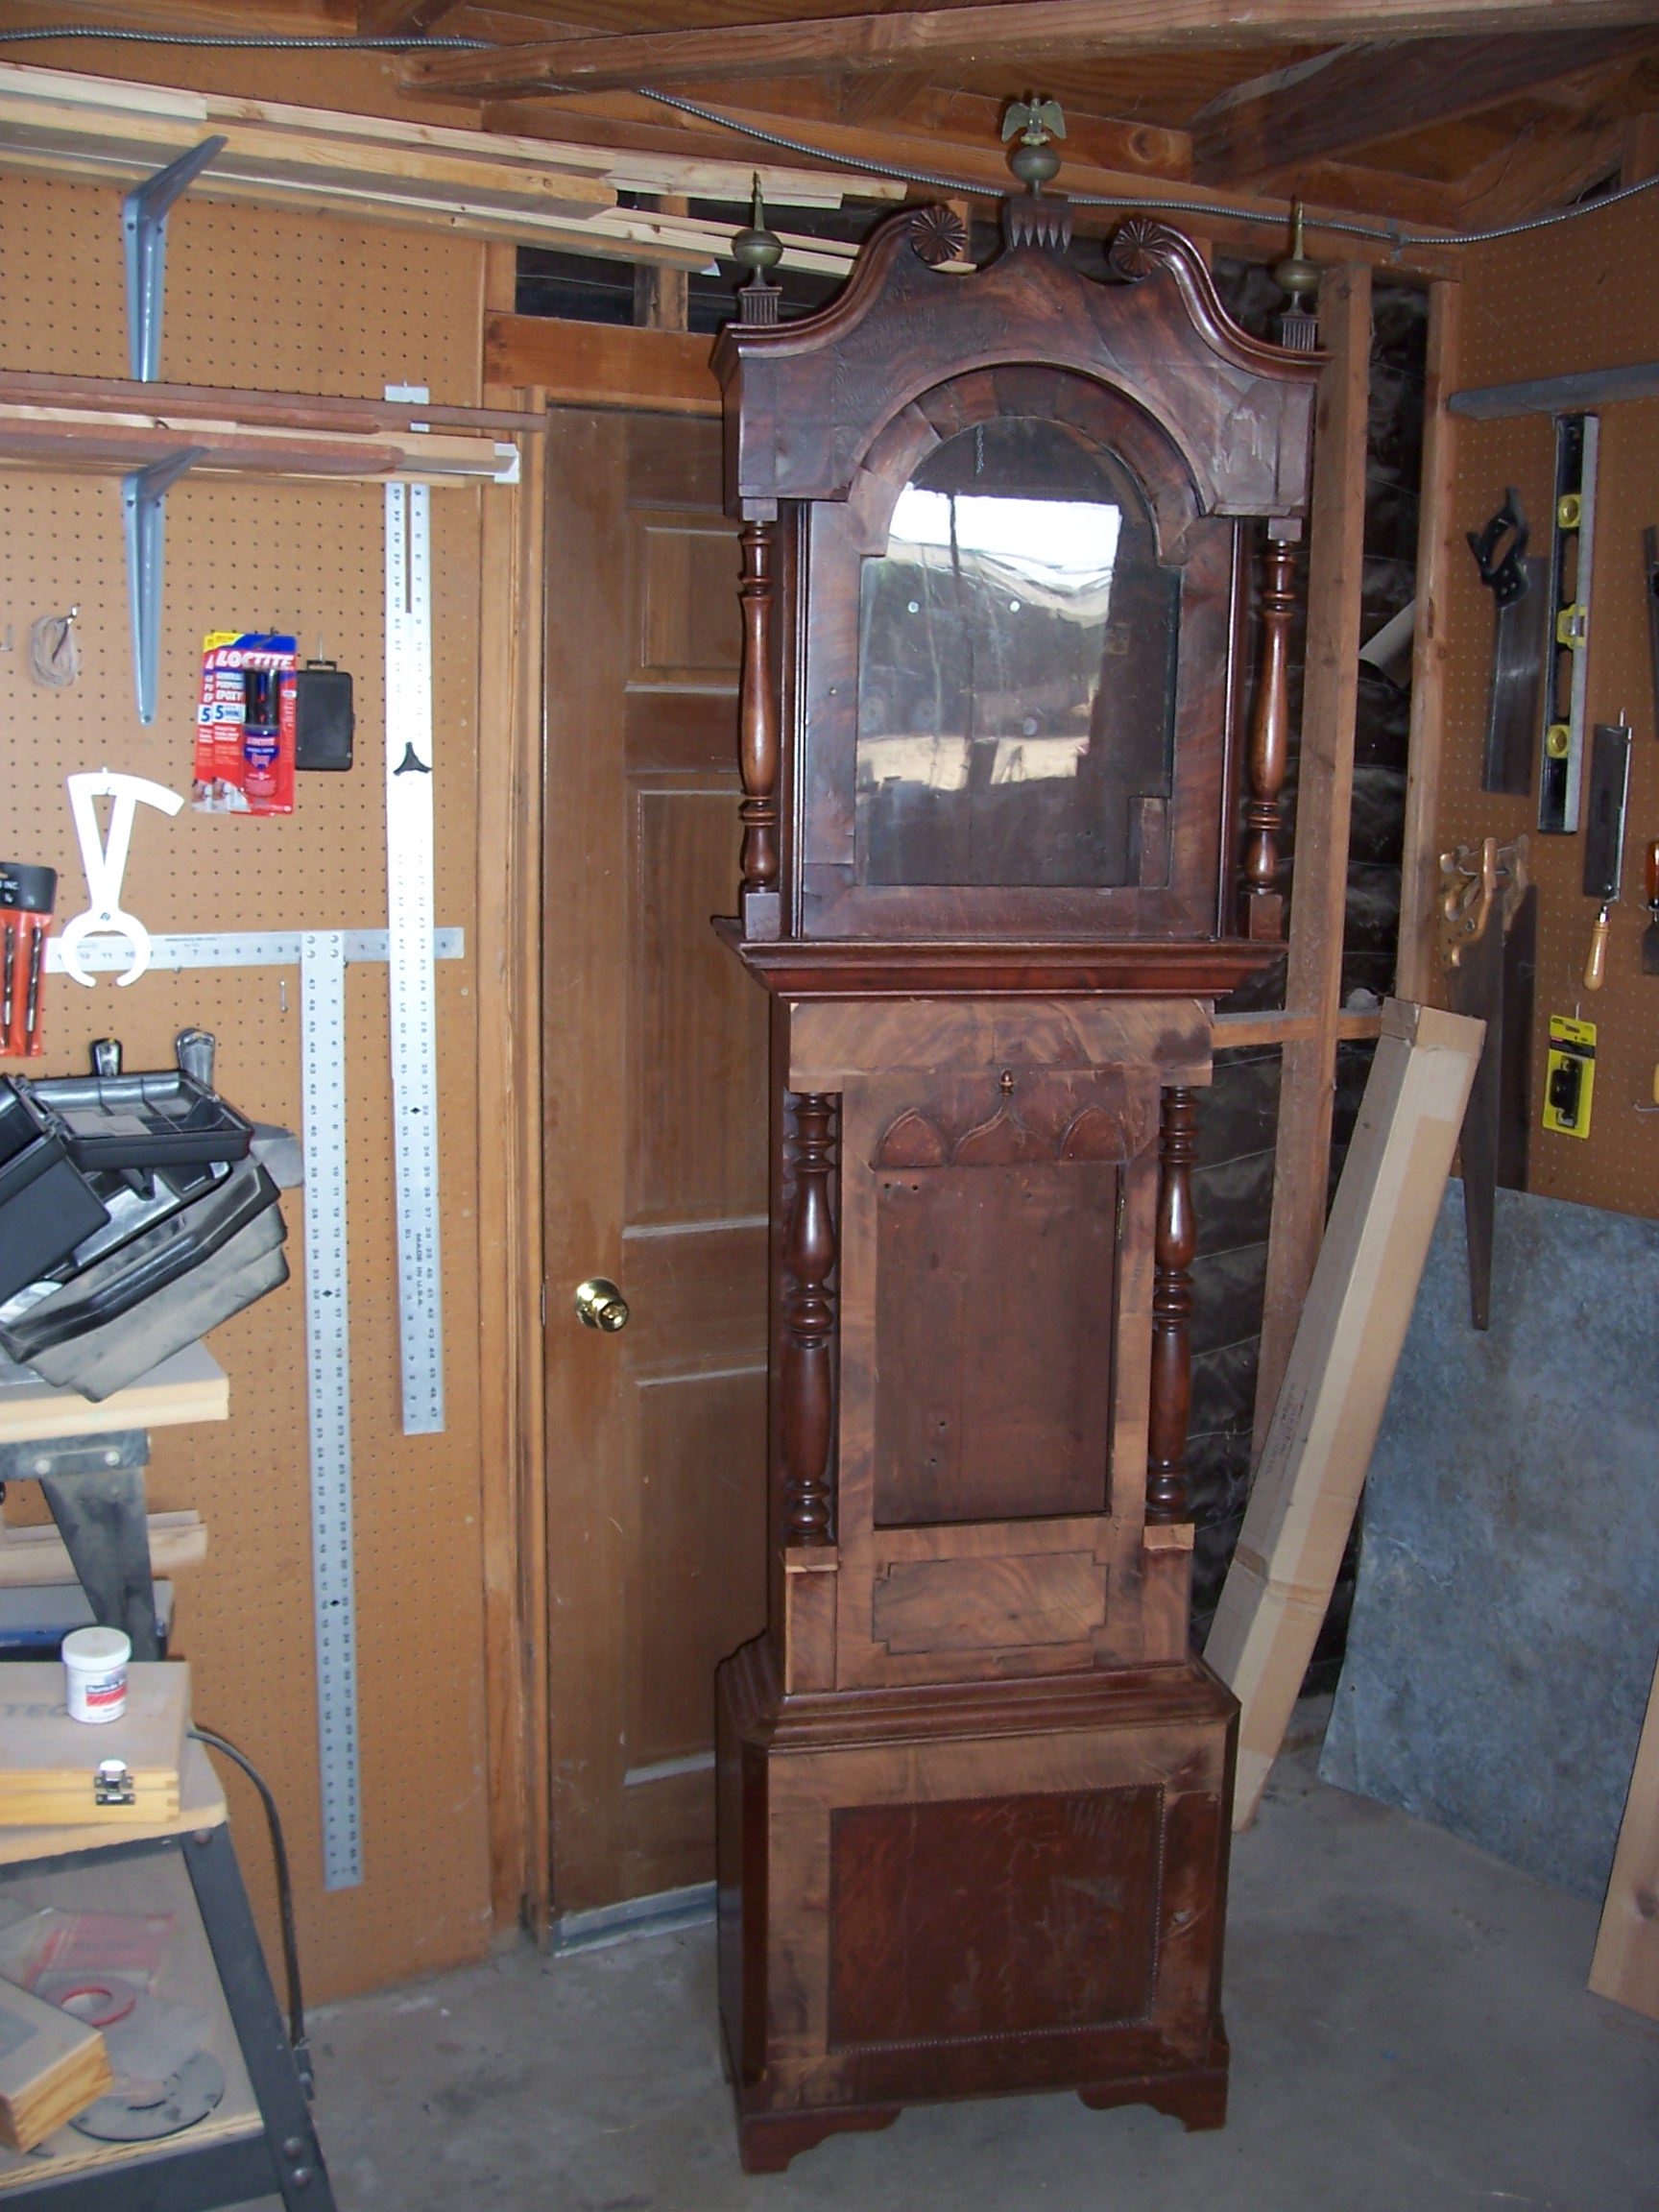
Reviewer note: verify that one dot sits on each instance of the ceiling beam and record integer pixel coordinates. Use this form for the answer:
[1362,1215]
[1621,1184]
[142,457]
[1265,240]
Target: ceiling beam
[1542,171]
[1358,94]
[1022,33]
[403,18]
[619,119]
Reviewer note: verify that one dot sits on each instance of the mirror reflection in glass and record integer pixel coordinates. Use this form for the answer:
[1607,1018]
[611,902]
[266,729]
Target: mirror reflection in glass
[1015,670]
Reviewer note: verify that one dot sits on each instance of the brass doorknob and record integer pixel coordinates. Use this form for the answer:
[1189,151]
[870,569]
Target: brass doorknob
[600,1304]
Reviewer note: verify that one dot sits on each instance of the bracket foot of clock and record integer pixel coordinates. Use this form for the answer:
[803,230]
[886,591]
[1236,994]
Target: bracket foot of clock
[971,1889]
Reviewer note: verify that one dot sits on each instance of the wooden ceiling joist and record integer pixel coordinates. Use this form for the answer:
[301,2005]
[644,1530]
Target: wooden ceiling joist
[403,18]
[1022,33]
[377,170]
[1359,94]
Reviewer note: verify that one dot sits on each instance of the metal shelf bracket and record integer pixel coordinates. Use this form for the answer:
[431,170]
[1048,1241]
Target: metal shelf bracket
[144,513]
[144,216]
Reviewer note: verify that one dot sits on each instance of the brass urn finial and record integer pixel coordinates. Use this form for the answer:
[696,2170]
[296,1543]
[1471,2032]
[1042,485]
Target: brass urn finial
[757,250]
[1297,327]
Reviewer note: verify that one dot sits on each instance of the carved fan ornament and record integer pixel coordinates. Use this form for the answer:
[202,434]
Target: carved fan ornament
[1136,249]
[938,235]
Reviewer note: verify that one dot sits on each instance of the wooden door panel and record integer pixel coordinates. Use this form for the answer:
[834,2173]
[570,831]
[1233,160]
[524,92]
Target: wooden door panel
[656,1155]
[697,1085]
[687,632]
[702,1583]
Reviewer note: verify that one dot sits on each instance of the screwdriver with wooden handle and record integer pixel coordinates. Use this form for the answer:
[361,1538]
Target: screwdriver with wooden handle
[1595,967]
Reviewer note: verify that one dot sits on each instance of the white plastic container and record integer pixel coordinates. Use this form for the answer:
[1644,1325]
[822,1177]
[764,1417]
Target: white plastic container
[95,1667]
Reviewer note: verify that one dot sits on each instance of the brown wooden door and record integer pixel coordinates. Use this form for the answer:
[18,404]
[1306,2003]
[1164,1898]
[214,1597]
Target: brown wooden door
[655,1151]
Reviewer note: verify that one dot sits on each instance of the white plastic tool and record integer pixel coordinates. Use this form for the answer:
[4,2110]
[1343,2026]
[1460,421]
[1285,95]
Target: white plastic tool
[106,863]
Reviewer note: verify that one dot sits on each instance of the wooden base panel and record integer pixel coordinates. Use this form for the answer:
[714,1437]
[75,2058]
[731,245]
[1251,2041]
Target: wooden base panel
[973,1889]
[1197,2100]
[770,2140]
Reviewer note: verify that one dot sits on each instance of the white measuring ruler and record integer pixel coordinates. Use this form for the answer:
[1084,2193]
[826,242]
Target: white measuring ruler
[410,946]
[329,1366]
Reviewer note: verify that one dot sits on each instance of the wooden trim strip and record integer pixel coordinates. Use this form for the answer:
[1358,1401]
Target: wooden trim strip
[1325,785]
[1557,394]
[1437,548]
[1233,1030]
[603,364]
[1348,1342]
[264,410]
[509,969]
[1626,1967]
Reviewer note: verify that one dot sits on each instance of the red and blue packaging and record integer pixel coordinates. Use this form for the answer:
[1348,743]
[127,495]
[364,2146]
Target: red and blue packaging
[245,724]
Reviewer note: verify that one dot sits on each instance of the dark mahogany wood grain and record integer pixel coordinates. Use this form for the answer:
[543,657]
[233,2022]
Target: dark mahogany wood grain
[865,968]
[757,728]
[919,1917]
[996,1288]
[1059,1893]
[1174,1249]
[809,1256]
[972,1787]
[1262,909]
[804,401]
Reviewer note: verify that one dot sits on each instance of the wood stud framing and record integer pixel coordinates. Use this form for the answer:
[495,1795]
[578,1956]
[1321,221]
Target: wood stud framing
[1319,877]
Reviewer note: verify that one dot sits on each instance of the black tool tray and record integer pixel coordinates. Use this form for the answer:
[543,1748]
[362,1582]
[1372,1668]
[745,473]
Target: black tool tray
[46,1205]
[157,1121]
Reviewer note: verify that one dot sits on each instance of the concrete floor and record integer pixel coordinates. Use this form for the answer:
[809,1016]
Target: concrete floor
[1410,2033]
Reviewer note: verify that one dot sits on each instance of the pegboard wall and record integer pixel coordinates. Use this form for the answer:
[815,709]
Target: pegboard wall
[1579,297]
[286,302]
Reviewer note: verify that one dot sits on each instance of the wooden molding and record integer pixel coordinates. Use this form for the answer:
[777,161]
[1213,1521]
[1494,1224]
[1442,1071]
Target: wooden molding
[1359,94]
[602,363]
[1438,547]
[1325,785]
[1323,1421]
[513,1498]
[1016,30]
[1625,1966]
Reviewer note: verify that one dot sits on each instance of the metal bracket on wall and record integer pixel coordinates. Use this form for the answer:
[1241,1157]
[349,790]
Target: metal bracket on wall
[144,514]
[144,214]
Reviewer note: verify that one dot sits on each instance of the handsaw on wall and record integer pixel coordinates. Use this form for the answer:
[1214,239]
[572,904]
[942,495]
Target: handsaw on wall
[1487,929]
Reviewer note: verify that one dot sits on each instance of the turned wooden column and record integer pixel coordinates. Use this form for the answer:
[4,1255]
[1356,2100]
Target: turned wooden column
[809,1258]
[1175,1242]
[1263,910]
[757,736]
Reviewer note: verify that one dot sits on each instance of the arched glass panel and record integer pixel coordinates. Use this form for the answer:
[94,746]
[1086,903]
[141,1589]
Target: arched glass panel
[1016,670]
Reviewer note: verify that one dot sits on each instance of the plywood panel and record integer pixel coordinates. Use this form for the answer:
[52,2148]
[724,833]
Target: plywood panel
[273,300]
[1558,300]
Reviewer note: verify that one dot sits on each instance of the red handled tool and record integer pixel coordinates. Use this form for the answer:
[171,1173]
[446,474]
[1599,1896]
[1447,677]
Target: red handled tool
[27,898]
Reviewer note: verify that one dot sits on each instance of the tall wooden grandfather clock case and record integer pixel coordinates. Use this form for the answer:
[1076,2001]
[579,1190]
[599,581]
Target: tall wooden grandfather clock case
[973,1787]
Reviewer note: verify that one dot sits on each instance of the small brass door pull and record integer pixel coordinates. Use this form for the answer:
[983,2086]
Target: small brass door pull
[600,1304]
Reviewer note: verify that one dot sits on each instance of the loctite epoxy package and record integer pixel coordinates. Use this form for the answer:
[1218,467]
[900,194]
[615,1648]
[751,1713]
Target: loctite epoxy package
[245,724]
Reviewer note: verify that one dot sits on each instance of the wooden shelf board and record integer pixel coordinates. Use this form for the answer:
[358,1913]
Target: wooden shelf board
[190,1387]
[249,409]
[108,442]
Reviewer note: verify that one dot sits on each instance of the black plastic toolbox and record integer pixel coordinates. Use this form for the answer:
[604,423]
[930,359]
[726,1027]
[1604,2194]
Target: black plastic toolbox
[46,1204]
[156,1120]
